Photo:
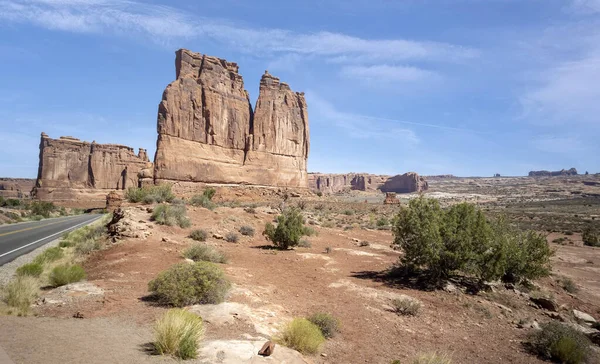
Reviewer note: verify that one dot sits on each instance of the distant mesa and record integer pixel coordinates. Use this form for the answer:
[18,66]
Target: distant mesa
[70,169]
[333,183]
[562,172]
[16,187]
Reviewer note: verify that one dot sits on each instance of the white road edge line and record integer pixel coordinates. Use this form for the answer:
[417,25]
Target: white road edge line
[37,241]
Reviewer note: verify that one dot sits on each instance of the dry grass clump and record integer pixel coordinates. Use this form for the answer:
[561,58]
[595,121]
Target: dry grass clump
[65,274]
[406,306]
[20,293]
[150,194]
[432,358]
[49,255]
[186,284]
[199,235]
[326,322]
[303,336]
[171,215]
[247,230]
[203,252]
[232,237]
[177,333]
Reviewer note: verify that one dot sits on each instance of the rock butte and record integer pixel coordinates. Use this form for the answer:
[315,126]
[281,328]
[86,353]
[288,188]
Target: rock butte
[332,183]
[71,169]
[16,187]
[209,133]
[562,172]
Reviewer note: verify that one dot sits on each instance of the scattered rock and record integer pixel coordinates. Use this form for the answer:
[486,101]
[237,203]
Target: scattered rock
[218,236]
[545,303]
[583,317]
[450,287]
[391,199]
[528,323]
[267,349]
[78,315]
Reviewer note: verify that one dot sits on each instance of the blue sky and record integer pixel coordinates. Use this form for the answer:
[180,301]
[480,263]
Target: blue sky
[464,87]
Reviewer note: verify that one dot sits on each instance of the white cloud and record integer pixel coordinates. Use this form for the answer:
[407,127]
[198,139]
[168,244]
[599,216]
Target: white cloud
[586,6]
[387,74]
[162,23]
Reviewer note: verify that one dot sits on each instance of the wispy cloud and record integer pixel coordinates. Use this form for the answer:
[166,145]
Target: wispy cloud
[388,74]
[356,126]
[558,144]
[162,23]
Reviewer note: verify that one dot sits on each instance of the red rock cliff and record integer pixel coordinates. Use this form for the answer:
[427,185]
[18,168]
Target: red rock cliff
[69,167]
[332,183]
[208,132]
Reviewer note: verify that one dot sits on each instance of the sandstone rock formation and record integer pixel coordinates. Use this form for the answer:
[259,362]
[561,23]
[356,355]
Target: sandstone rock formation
[70,168]
[405,183]
[333,183]
[113,201]
[16,187]
[209,133]
[562,172]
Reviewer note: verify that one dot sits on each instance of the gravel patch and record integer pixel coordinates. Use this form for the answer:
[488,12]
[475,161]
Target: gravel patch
[7,271]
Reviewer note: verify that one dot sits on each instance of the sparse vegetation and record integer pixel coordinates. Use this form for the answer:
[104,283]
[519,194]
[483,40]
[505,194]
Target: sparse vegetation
[406,306]
[171,215]
[32,269]
[303,336]
[205,199]
[49,255]
[203,252]
[290,229]
[232,237]
[20,293]
[42,208]
[304,243]
[150,194]
[327,323]
[559,342]
[187,284]
[568,285]
[591,237]
[247,230]
[432,358]
[460,239]
[364,243]
[65,274]
[199,235]
[177,333]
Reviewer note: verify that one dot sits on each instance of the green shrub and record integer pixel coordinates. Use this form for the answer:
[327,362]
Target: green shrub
[30,269]
[406,306]
[12,202]
[20,293]
[209,193]
[432,358]
[327,323]
[247,230]
[303,336]
[199,235]
[590,237]
[319,193]
[460,239]
[171,215]
[65,274]
[568,285]
[187,284]
[177,333]
[150,194]
[559,342]
[203,252]
[66,244]
[348,212]
[2,201]
[202,201]
[42,208]
[49,255]
[232,237]
[290,228]
[382,221]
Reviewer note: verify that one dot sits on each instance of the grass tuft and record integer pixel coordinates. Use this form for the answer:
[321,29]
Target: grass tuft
[561,343]
[203,252]
[65,274]
[177,333]
[199,235]
[406,306]
[327,323]
[303,336]
[20,293]
[171,215]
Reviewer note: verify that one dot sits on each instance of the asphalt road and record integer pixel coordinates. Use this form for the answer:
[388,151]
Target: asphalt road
[18,239]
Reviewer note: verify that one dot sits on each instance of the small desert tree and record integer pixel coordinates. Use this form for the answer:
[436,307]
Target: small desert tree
[289,230]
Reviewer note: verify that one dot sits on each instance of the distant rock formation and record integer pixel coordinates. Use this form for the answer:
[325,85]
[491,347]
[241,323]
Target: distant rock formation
[405,183]
[440,176]
[391,199]
[70,168]
[562,172]
[16,187]
[209,133]
[333,183]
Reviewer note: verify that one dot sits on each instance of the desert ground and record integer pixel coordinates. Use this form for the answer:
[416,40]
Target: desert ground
[109,317]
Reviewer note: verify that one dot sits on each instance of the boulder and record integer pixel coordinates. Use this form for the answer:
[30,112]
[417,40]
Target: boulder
[267,349]
[583,317]
[545,303]
[390,199]
[113,201]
